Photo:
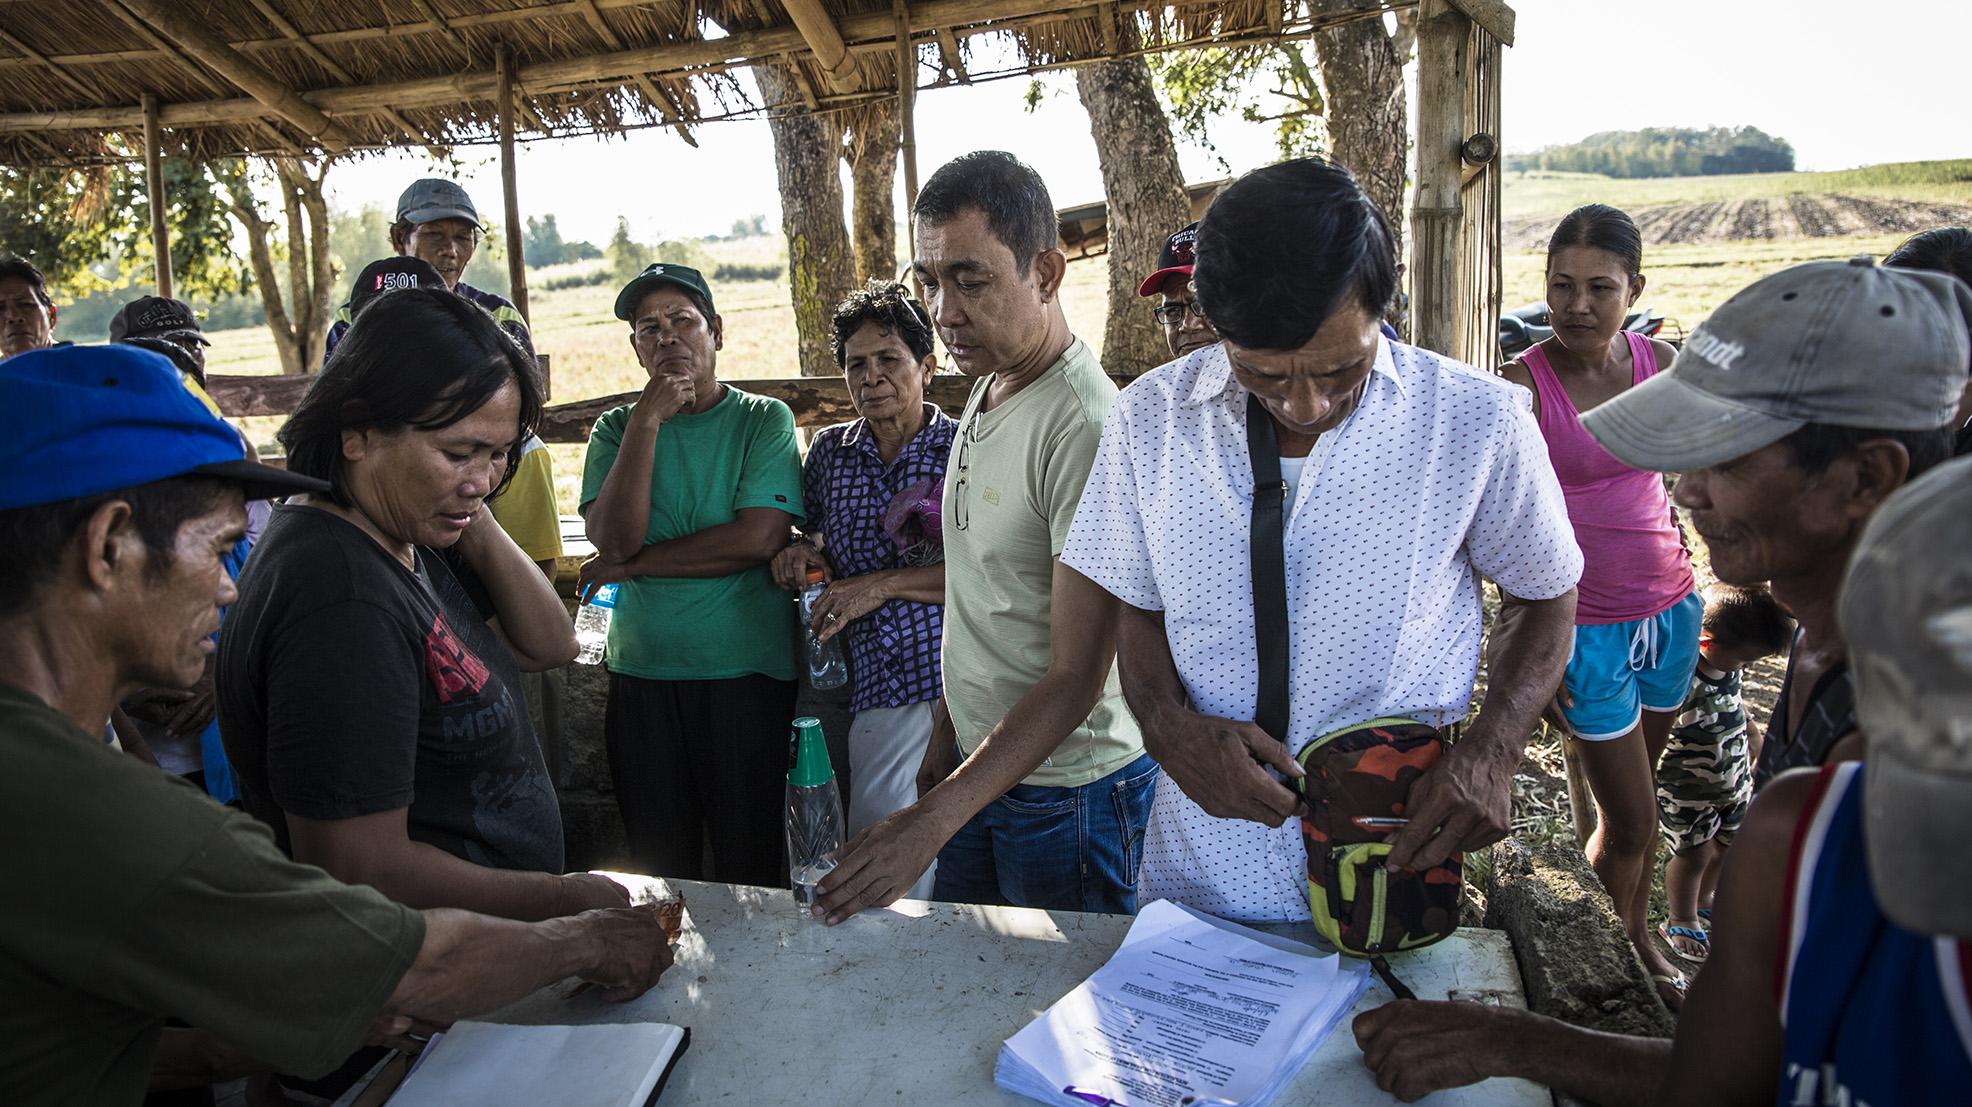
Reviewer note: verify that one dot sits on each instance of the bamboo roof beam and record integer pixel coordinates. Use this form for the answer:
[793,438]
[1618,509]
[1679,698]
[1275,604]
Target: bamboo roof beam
[444,28]
[819,31]
[210,50]
[169,51]
[334,68]
[61,72]
[1493,15]
[1106,19]
[948,53]
[666,106]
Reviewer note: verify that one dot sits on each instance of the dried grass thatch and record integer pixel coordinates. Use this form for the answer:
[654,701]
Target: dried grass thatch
[73,75]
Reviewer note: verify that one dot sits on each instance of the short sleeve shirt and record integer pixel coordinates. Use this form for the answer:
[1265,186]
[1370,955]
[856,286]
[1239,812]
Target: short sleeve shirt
[1010,494]
[499,307]
[705,469]
[132,897]
[848,490]
[1438,478]
[526,506]
[349,685]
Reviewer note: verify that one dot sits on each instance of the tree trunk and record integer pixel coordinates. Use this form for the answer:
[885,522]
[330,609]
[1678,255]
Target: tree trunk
[1147,201]
[300,333]
[1363,72]
[820,269]
[871,151]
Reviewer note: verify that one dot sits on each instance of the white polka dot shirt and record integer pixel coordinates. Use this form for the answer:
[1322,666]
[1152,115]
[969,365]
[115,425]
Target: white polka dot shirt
[1439,477]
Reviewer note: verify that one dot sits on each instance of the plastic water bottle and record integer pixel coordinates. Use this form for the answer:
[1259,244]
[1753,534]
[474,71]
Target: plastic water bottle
[592,624]
[814,812]
[826,666]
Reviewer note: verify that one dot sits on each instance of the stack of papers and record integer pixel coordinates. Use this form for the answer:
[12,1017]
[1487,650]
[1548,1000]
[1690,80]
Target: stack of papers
[1192,1010]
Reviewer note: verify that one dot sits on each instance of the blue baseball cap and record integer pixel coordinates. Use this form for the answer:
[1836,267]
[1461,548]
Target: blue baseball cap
[83,420]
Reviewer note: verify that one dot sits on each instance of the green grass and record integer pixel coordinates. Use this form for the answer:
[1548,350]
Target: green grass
[1686,282]
[1535,195]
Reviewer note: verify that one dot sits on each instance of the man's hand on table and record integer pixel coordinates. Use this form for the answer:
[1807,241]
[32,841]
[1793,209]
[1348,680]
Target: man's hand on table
[633,947]
[1464,802]
[1222,765]
[879,865]
[1418,1047]
[581,892]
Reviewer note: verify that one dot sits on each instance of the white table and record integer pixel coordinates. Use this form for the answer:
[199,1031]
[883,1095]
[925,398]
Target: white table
[909,1005]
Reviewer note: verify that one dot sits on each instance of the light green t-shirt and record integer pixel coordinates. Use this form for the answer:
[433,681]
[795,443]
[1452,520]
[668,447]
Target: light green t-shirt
[704,469]
[131,896]
[1023,465]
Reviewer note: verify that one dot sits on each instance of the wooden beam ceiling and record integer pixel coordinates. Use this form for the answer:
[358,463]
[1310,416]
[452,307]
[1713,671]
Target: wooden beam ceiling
[819,31]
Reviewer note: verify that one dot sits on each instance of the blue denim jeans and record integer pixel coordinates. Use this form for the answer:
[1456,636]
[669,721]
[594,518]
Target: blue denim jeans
[1062,849]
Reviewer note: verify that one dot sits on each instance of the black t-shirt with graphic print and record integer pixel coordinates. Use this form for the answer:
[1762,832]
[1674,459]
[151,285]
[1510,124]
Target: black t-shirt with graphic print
[350,685]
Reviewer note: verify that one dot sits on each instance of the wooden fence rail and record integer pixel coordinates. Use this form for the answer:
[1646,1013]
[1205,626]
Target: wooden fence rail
[816,401]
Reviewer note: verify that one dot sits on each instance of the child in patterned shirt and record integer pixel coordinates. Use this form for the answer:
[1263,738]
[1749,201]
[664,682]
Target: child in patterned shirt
[1705,780]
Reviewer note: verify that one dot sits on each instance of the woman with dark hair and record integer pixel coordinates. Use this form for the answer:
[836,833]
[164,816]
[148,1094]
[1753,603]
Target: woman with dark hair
[1943,250]
[1637,614]
[371,709]
[872,490]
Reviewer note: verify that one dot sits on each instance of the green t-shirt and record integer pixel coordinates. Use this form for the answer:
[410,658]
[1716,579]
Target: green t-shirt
[1024,464]
[130,897]
[704,469]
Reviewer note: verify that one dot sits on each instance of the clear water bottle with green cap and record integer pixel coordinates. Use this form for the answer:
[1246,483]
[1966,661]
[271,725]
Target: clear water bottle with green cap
[814,812]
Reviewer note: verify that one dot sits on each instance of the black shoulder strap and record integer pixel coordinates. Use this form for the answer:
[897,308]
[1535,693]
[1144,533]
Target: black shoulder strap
[1269,568]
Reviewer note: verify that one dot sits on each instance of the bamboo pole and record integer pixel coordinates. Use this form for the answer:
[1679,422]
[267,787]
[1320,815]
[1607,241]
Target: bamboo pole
[907,91]
[818,29]
[154,185]
[503,65]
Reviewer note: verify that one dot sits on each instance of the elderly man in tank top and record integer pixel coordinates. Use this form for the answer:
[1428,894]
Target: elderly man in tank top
[1411,477]
[1814,396]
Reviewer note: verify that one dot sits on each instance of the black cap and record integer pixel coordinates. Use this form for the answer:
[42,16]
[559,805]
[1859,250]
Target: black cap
[155,317]
[640,286]
[1174,258]
[389,275]
[435,198]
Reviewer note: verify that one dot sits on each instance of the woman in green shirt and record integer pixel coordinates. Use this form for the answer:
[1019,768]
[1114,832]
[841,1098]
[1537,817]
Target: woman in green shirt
[688,494]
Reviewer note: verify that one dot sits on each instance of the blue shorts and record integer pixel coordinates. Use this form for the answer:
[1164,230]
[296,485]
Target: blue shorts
[1620,670]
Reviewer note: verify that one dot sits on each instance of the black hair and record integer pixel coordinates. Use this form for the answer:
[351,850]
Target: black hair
[1282,248]
[1004,189]
[420,358]
[14,265]
[889,305]
[1939,250]
[1602,227]
[1818,445]
[1747,617]
[32,538]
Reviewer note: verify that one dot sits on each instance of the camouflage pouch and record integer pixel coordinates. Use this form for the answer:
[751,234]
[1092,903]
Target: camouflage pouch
[1358,780]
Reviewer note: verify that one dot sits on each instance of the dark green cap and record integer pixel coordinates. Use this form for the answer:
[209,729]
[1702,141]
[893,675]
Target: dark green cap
[640,286]
[811,755]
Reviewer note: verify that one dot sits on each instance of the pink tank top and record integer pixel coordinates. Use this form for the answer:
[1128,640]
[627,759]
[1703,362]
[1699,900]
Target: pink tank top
[1634,563]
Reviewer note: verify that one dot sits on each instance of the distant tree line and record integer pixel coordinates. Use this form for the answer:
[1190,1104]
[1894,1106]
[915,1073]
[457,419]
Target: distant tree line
[541,244]
[1665,152]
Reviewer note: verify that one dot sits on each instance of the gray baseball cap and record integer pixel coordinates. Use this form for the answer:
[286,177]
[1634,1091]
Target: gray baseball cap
[1906,614]
[436,198]
[1842,343]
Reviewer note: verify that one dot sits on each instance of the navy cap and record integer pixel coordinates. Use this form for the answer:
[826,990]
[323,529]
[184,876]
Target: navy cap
[156,317]
[435,198]
[640,286]
[83,420]
[389,275]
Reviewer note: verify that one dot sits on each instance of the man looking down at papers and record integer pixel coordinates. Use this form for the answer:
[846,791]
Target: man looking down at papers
[1409,477]
[131,896]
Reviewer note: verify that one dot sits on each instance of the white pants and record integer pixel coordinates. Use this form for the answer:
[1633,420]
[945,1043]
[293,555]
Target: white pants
[886,746]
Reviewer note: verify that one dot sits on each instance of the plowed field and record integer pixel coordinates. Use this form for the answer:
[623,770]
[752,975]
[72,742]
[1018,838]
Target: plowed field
[1795,215]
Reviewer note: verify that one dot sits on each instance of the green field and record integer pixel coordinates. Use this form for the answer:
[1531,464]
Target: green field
[1536,195]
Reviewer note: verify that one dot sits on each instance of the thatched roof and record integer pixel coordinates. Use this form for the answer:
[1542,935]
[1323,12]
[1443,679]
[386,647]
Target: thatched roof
[274,76]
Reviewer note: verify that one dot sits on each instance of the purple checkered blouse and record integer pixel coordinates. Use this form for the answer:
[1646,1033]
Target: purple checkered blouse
[846,487]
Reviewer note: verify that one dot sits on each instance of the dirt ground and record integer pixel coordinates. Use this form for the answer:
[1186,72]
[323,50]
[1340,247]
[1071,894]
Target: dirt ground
[1796,215]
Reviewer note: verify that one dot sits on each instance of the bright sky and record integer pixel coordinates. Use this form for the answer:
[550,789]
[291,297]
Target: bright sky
[1846,86]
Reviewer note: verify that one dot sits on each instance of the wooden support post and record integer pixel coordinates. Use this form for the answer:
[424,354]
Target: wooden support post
[154,184]
[907,93]
[1442,32]
[503,65]
[1581,802]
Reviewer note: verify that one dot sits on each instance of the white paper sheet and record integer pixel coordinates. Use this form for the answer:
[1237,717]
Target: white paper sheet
[497,1065]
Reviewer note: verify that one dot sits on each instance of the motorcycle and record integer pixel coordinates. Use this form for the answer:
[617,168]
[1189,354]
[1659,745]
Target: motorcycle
[1522,328]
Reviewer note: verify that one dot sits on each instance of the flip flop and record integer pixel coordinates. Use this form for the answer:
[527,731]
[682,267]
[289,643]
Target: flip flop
[1705,918]
[1671,934]
[1677,984]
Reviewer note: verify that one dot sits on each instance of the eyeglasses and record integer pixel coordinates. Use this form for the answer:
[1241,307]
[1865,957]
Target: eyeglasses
[1172,314]
[960,515]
